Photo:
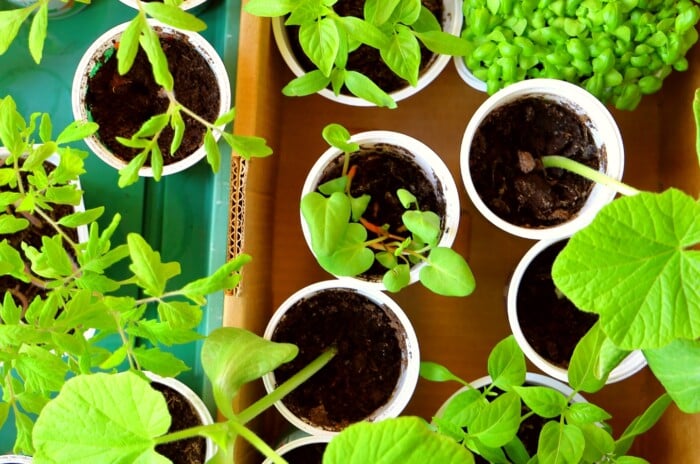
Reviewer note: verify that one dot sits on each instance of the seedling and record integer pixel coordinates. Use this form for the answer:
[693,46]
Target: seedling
[85,423]
[396,28]
[339,234]
[60,333]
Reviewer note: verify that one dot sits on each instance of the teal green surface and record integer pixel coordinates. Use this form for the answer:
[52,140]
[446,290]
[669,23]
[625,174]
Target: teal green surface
[185,215]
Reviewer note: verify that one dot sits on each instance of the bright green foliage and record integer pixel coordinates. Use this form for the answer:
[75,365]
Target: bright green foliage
[677,366]
[397,28]
[105,418]
[640,270]
[11,21]
[405,440]
[340,242]
[616,50]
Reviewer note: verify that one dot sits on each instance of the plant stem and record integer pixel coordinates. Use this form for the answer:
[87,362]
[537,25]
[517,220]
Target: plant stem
[554,161]
[287,387]
[188,433]
[257,442]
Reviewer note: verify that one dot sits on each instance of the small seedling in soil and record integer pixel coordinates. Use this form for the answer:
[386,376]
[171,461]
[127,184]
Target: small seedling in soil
[396,28]
[339,234]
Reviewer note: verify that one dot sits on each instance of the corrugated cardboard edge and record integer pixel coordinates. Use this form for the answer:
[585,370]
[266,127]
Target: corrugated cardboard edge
[251,202]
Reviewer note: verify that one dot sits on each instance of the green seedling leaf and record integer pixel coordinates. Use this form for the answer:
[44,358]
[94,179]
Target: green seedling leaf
[53,261]
[159,362]
[402,54]
[363,32]
[516,451]
[584,368]
[544,401]
[388,260]
[438,373]
[338,184]
[407,440]
[232,357]
[320,42]
[677,366]
[248,146]
[71,428]
[179,314]
[178,126]
[11,122]
[153,126]
[506,364]
[464,408]
[378,12]
[174,16]
[24,427]
[585,413]
[642,424]
[7,176]
[351,256]
[4,412]
[407,12]
[407,199]
[397,278]
[129,174]
[630,460]
[38,155]
[40,369]
[425,225]
[10,224]
[498,422]
[339,137]
[306,84]
[212,149]
[10,22]
[133,143]
[226,118]
[37,32]
[447,273]
[358,206]
[426,21]
[129,44]
[599,443]
[117,357]
[560,444]
[637,260]
[270,8]
[76,131]
[64,195]
[82,217]
[150,43]
[224,278]
[162,332]
[10,313]
[327,219]
[362,86]
[443,43]
[151,274]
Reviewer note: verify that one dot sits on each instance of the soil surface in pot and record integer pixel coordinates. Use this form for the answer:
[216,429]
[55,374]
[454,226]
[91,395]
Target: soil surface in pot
[184,415]
[552,325]
[121,104]
[506,167]
[382,169]
[307,454]
[23,292]
[365,59]
[363,374]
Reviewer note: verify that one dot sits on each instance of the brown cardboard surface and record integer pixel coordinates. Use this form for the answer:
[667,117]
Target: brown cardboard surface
[457,332]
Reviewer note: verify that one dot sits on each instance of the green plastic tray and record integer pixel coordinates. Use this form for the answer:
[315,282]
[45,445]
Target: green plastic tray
[185,215]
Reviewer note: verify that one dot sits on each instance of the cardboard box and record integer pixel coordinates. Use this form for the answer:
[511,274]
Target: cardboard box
[659,142]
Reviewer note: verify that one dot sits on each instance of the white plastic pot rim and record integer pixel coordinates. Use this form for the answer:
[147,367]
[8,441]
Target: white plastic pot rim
[186,5]
[603,128]
[632,364]
[410,367]
[452,24]
[467,76]
[298,443]
[432,165]
[94,54]
[15,459]
[196,402]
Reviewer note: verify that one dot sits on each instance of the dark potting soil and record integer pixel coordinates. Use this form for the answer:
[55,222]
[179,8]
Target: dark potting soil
[121,104]
[505,162]
[366,59]
[364,372]
[22,292]
[191,450]
[550,322]
[382,169]
[307,454]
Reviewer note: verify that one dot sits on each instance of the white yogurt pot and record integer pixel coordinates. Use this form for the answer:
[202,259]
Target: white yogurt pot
[605,134]
[299,443]
[632,364]
[467,76]
[429,162]
[407,340]
[451,23]
[15,459]
[196,402]
[92,57]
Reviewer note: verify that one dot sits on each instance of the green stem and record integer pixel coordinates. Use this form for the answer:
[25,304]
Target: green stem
[554,161]
[257,442]
[188,433]
[287,387]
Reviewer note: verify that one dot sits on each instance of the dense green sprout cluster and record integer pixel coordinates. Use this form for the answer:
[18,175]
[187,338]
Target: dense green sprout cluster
[618,50]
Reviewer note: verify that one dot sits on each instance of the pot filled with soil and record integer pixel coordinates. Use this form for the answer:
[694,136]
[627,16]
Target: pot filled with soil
[367,60]
[22,292]
[504,158]
[530,428]
[186,410]
[385,163]
[304,450]
[374,372]
[122,104]
[546,324]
